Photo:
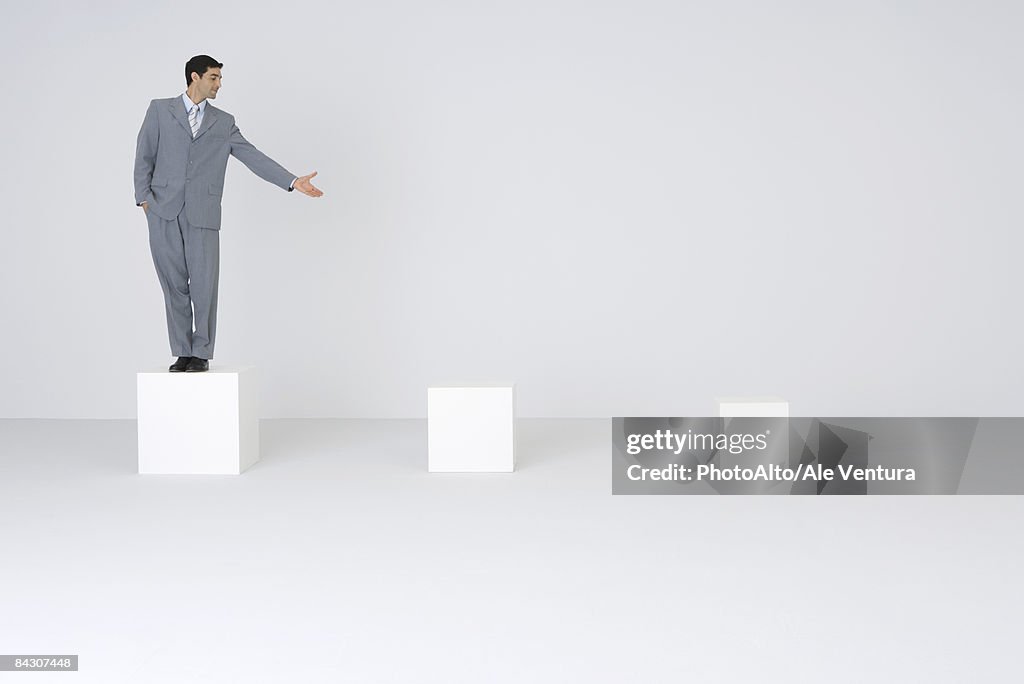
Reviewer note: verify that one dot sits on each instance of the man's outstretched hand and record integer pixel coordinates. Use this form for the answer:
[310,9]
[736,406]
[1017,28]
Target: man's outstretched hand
[303,185]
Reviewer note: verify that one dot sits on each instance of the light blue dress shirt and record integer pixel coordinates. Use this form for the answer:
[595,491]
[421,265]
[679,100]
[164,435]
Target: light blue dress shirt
[189,104]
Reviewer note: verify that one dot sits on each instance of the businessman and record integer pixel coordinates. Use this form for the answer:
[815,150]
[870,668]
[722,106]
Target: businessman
[180,160]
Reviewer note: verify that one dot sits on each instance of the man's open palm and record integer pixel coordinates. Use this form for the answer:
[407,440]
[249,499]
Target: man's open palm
[303,185]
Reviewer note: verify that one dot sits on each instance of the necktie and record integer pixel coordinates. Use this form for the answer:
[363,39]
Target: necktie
[193,119]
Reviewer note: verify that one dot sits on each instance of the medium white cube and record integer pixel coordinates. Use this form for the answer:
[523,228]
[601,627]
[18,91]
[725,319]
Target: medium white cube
[753,407]
[471,429]
[198,423]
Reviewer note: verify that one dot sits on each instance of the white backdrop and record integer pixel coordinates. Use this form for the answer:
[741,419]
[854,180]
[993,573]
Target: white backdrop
[626,208]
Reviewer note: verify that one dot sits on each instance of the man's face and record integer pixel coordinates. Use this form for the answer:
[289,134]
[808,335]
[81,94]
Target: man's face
[209,84]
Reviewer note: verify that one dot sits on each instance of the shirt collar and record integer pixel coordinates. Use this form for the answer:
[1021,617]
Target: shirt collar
[189,104]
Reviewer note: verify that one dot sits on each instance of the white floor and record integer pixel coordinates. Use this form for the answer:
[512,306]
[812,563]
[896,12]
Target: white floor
[338,558]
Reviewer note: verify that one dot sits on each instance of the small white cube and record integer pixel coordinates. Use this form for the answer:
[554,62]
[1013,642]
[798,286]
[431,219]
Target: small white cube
[471,429]
[753,407]
[198,423]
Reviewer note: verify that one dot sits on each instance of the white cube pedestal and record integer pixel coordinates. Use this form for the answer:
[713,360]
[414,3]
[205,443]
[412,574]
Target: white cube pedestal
[198,423]
[753,407]
[471,429]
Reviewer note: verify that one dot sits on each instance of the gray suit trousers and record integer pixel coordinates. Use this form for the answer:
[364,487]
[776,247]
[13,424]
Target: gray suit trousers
[187,261]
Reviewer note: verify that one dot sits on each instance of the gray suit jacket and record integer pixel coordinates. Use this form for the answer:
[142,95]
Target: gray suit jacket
[173,170]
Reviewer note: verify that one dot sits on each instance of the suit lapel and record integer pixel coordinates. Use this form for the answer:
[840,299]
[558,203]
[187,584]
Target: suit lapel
[209,116]
[177,107]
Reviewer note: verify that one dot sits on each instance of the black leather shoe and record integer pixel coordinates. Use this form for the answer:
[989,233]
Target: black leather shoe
[197,365]
[180,365]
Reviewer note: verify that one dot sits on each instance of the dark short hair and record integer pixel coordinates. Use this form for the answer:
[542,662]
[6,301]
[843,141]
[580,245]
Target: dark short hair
[200,64]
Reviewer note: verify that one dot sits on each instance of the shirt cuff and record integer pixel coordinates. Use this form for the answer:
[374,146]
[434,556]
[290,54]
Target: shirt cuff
[292,186]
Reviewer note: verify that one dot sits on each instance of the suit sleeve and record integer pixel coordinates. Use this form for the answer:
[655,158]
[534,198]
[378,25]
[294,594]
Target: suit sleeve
[259,163]
[145,154]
